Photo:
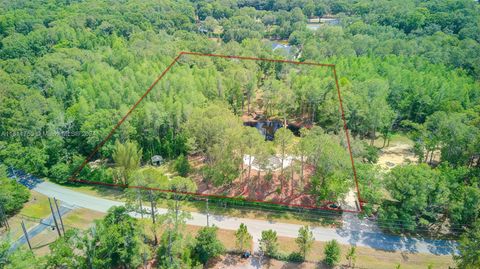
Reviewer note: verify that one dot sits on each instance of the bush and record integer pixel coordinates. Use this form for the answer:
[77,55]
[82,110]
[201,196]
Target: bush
[332,253]
[60,173]
[281,256]
[269,176]
[207,245]
[269,243]
[12,195]
[371,154]
[182,166]
[102,174]
[295,257]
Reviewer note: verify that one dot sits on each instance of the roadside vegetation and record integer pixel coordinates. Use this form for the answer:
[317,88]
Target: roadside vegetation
[12,195]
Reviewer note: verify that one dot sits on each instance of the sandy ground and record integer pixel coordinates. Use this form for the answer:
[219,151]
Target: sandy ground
[350,201]
[236,262]
[397,154]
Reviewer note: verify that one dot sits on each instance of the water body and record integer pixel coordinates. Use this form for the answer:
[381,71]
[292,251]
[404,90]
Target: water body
[268,128]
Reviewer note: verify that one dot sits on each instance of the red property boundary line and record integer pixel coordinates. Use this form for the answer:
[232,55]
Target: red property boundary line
[73,177]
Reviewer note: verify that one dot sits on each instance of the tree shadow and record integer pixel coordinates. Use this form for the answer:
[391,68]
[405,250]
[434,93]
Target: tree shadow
[108,191]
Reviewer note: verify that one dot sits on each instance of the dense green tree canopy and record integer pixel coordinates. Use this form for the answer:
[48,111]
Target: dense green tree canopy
[12,194]
[70,70]
[116,240]
[469,248]
[207,245]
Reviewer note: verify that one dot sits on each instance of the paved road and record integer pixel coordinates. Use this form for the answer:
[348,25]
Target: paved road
[354,231]
[26,179]
[44,224]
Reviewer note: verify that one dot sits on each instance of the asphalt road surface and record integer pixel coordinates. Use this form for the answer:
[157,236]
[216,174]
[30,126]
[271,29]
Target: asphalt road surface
[354,231]
[44,224]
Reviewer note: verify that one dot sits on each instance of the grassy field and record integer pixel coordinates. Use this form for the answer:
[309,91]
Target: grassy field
[81,218]
[104,192]
[371,258]
[227,237]
[41,242]
[15,230]
[77,218]
[37,206]
[328,219]
[35,209]
[397,138]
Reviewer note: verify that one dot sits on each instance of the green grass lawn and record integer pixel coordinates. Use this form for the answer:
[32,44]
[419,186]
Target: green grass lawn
[37,207]
[397,138]
[227,237]
[81,218]
[325,219]
[111,193]
[15,230]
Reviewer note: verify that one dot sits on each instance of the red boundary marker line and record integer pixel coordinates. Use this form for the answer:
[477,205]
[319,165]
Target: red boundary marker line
[348,138]
[73,177]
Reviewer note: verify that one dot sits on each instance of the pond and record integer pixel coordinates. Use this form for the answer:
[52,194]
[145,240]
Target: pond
[268,128]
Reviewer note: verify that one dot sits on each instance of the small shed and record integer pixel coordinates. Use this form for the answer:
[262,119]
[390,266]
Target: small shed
[157,160]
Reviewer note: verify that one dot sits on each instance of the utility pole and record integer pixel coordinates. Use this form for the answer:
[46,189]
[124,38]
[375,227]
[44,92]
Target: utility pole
[208,215]
[170,246]
[3,217]
[144,254]
[26,235]
[54,218]
[139,197]
[90,252]
[153,208]
[59,215]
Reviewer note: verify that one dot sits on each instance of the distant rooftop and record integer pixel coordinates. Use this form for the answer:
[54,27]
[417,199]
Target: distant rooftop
[283,47]
[324,20]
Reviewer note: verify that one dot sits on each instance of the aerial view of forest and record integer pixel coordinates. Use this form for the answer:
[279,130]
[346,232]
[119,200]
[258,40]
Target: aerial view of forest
[374,154]
[285,158]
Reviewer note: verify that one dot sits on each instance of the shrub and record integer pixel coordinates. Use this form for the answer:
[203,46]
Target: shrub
[371,154]
[295,257]
[207,244]
[269,243]
[182,166]
[60,173]
[12,195]
[332,253]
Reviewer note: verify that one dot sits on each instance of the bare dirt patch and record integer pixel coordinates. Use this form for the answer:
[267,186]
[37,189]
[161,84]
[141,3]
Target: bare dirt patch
[397,154]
